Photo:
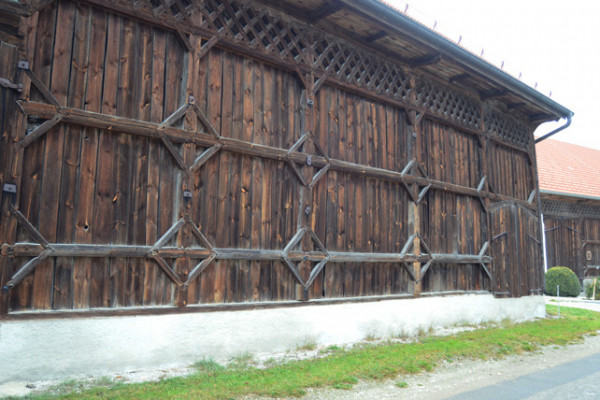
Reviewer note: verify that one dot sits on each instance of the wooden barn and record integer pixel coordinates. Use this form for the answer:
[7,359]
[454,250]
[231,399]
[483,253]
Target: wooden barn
[184,156]
[570,195]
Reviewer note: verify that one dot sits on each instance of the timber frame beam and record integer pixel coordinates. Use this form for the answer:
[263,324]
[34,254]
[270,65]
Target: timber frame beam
[156,131]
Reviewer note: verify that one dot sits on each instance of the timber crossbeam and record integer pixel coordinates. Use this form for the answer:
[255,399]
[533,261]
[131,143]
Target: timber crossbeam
[124,251]
[116,124]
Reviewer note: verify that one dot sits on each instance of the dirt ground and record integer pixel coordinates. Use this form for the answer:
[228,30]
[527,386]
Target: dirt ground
[446,380]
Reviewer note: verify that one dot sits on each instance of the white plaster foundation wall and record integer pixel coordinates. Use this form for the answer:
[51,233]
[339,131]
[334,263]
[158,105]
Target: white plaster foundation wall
[60,348]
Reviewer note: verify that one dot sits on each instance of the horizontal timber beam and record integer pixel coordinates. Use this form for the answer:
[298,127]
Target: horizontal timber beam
[95,250]
[153,130]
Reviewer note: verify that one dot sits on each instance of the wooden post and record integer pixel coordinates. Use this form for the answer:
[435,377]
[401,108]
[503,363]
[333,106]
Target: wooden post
[12,165]
[305,212]
[414,143]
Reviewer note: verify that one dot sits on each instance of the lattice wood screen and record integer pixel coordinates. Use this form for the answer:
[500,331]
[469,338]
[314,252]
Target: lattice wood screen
[569,209]
[346,63]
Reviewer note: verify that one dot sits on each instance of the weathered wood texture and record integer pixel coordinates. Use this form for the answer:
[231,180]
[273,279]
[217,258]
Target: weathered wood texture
[572,234]
[8,115]
[174,174]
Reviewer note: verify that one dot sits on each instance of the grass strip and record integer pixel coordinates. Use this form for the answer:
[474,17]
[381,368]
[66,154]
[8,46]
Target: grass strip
[343,368]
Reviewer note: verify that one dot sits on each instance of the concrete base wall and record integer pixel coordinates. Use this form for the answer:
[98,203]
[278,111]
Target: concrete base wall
[60,348]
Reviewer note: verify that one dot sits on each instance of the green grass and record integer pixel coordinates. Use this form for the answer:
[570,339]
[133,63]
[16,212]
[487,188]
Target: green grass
[342,368]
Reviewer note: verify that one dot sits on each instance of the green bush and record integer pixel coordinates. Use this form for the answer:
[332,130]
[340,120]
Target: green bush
[589,289]
[563,276]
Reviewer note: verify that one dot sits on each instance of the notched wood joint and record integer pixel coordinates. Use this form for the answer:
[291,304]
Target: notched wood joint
[414,117]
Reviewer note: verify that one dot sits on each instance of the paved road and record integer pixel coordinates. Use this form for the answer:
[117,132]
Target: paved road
[574,380]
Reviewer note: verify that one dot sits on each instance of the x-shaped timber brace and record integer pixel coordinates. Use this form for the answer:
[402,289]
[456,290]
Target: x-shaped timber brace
[305,152]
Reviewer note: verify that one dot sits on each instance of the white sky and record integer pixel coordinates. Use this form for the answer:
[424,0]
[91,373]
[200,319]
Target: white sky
[554,43]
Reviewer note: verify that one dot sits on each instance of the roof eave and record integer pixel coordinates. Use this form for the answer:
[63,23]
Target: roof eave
[397,21]
[572,195]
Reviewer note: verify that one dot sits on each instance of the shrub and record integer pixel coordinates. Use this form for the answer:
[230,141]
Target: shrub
[563,276]
[589,289]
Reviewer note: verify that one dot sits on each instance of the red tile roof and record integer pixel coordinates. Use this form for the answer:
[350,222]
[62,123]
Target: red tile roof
[568,168]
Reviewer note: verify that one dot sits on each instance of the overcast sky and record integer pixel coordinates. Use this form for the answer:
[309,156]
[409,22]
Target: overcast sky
[554,43]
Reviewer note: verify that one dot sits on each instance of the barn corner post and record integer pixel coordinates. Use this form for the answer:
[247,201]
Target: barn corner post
[15,55]
[537,272]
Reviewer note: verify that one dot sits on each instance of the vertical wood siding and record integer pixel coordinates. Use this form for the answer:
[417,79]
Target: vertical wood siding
[96,184]
[568,241]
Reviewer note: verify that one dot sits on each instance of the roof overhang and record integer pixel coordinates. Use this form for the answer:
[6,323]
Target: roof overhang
[381,28]
[552,195]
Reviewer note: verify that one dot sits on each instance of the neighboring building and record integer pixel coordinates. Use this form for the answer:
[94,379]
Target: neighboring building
[569,179]
[264,172]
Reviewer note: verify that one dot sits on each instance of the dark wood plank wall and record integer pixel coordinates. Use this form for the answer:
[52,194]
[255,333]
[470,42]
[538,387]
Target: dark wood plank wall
[89,183]
[568,241]
[516,235]
[9,55]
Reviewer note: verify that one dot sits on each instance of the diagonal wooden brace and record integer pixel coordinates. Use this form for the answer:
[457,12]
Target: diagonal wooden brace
[26,269]
[208,45]
[167,269]
[29,227]
[40,130]
[173,151]
[36,81]
[168,235]
[199,268]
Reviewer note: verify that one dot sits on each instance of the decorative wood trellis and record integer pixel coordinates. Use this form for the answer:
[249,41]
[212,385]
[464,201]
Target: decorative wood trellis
[424,161]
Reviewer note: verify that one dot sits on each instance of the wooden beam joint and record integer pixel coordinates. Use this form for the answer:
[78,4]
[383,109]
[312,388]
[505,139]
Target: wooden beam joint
[324,11]
[376,36]
[425,60]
